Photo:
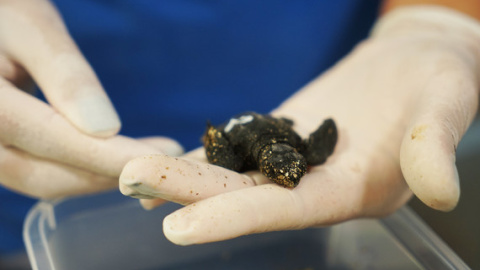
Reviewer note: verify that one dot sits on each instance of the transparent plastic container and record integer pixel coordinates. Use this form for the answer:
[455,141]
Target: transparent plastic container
[110,231]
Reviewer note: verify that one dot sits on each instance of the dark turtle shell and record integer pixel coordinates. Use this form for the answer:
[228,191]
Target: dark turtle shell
[255,141]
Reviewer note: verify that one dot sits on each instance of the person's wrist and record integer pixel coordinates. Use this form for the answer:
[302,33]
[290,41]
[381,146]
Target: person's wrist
[437,26]
[436,19]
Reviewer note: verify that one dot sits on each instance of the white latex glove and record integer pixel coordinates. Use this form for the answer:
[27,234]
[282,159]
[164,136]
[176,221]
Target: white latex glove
[67,146]
[401,100]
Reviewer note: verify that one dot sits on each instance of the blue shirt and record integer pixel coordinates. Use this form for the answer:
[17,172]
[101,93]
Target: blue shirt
[171,65]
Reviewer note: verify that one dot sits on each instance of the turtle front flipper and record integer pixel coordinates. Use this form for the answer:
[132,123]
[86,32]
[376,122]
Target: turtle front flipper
[219,150]
[321,143]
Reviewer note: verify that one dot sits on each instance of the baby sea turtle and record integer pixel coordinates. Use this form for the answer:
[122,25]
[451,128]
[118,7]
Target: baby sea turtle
[251,140]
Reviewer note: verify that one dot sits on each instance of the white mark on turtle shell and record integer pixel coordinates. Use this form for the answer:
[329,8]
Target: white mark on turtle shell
[234,121]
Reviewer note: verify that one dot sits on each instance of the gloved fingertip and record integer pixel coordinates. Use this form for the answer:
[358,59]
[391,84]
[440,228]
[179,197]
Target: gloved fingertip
[97,116]
[166,145]
[427,160]
[150,204]
[178,230]
[173,149]
[131,192]
[443,200]
[125,190]
[439,191]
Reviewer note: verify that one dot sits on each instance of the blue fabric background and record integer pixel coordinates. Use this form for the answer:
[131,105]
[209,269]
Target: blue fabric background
[171,65]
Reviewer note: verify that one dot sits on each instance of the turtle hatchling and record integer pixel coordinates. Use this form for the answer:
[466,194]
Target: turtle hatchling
[255,141]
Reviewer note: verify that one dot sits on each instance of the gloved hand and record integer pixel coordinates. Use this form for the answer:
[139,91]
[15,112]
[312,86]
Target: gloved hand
[402,101]
[67,146]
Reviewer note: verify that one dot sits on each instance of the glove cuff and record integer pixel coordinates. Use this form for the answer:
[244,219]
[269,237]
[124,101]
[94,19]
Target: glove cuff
[436,18]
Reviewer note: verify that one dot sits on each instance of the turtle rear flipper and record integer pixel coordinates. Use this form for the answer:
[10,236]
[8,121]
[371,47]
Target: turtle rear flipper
[321,143]
[219,149]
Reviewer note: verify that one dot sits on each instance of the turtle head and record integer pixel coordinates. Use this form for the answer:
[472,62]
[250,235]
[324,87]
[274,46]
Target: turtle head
[282,164]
